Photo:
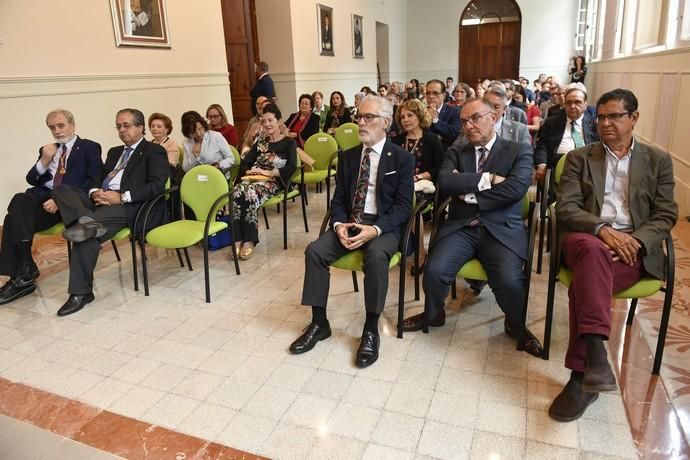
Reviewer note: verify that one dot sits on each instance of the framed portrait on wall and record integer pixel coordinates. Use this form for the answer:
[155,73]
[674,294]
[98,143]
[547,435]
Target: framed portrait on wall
[357,37]
[140,23]
[324,16]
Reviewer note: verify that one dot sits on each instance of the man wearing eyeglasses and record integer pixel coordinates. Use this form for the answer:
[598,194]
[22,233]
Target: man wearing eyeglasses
[133,174]
[572,128]
[615,206]
[488,178]
[445,119]
[371,202]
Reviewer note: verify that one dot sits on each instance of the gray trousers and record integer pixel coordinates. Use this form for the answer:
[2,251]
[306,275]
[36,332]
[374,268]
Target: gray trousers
[85,254]
[327,249]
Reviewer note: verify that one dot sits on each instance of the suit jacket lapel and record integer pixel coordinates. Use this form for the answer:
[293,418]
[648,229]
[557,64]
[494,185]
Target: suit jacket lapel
[494,155]
[597,168]
[468,159]
[384,165]
[134,158]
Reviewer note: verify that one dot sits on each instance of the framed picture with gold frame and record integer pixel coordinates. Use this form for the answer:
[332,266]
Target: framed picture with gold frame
[140,23]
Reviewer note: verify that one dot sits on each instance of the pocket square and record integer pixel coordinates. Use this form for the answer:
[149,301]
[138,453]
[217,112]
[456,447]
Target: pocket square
[389,173]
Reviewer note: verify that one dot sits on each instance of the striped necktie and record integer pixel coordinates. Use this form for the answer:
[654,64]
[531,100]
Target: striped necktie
[483,154]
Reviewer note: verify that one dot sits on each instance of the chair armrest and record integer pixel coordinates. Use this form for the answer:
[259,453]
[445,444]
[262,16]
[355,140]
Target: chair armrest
[555,251]
[324,223]
[145,209]
[438,213]
[532,221]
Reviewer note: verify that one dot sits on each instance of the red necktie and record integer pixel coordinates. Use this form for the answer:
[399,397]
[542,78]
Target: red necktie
[61,168]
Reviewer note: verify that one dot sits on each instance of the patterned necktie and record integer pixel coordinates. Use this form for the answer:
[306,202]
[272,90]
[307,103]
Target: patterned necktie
[577,137]
[362,186]
[61,168]
[482,159]
[120,166]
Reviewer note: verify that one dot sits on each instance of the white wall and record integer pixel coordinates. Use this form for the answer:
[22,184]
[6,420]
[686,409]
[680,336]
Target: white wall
[52,56]
[547,38]
[288,41]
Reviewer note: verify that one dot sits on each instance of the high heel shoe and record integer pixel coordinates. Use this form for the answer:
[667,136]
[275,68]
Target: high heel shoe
[247,252]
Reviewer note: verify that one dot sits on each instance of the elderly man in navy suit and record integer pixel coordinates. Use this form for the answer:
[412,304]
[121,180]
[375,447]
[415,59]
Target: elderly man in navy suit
[70,160]
[445,119]
[371,202]
[488,178]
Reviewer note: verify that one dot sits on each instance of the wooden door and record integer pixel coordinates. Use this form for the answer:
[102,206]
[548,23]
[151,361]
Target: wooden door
[490,50]
[241,49]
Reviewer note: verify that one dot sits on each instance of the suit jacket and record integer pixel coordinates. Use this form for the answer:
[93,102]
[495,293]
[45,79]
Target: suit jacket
[394,187]
[144,178]
[263,87]
[650,188]
[514,131]
[308,130]
[84,165]
[448,124]
[516,114]
[432,153]
[551,134]
[498,208]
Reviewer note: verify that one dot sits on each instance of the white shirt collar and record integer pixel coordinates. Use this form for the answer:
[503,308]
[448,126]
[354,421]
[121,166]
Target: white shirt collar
[378,147]
[488,145]
[70,143]
[135,145]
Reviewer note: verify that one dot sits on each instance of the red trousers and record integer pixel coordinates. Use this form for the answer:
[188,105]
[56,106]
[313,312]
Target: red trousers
[596,277]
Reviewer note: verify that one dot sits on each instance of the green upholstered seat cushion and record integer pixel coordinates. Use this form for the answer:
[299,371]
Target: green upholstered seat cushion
[182,233]
[277,199]
[54,230]
[473,270]
[122,234]
[646,287]
[354,261]
[313,177]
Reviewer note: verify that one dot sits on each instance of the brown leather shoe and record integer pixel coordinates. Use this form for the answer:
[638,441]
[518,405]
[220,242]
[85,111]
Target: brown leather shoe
[532,344]
[571,402]
[416,322]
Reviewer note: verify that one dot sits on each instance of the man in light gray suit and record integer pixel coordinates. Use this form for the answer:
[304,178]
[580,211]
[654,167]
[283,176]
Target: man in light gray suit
[505,128]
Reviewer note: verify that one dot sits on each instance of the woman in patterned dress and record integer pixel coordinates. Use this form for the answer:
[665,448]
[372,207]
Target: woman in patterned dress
[274,156]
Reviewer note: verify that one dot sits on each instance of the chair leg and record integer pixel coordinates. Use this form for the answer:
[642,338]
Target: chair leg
[235,256]
[117,253]
[454,289]
[355,285]
[631,312]
[144,268]
[69,251]
[417,224]
[328,193]
[189,262]
[401,299]
[179,257]
[550,298]
[284,225]
[663,326]
[135,272]
[540,249]
[304,211]
[206,275]
[266,218]
[303,191]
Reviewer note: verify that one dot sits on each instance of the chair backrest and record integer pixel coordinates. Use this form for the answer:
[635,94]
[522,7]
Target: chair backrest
[201,186]
[320,147]
[180,157]
[559,169]
[347,136]
[235,170]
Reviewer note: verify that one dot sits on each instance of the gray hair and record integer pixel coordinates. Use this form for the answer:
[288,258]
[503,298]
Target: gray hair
[576,87]
[66,113]
[385,107]
[498,89]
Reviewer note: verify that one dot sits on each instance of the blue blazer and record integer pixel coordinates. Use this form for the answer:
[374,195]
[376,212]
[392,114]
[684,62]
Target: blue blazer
[498,208]
[551,134]
[84,165]
[448,124]
[263,87]
[394,187]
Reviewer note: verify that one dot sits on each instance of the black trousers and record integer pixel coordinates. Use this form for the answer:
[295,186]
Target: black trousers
[504,270]
[25,216]
[74,204]
[327,249]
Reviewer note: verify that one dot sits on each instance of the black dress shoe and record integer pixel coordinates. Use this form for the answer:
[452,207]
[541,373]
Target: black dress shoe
[416,322]
[74,304]
[311,335]
[76,233]
[571,402]
[27,273]
[12,291]
[368,351]
[476,286]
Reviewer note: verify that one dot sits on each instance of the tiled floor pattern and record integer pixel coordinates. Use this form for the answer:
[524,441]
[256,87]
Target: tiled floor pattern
[222,372]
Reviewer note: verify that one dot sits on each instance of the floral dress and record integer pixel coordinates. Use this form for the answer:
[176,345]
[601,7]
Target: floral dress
[249,196]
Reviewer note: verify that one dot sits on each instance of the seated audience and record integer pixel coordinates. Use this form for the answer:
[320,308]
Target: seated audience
[320,108]
[204,147]
[371,202]
[303,124]
[161,126]
[133,174]
[70,160]
[488,178]
[218,121]
[338,113]
[445,119]
[460,94]
[273,156]
[253,131]
[506,128]
[615,206]
[355,107]
[509,112]
[382,90]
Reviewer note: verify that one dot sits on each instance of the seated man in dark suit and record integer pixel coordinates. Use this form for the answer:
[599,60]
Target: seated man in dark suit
[133,174]
[445,119]
[488,178]
[371,202]
[71,160]
[615,206]
[572,128]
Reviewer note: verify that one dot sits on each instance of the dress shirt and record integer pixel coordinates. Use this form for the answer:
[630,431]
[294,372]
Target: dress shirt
[615,210]
[567,142]
[114,183]
[485,181]
[53,165]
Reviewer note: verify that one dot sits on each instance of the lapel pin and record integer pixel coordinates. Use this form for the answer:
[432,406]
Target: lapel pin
[389,154]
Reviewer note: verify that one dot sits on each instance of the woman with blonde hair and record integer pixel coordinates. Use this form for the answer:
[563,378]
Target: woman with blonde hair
[218,121]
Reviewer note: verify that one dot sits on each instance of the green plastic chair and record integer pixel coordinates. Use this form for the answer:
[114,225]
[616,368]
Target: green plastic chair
[473,269]
[282,198]
[646,287]
[347,136]
[235,170]
[354,260]
[551,177]
[205,190]
[323,149]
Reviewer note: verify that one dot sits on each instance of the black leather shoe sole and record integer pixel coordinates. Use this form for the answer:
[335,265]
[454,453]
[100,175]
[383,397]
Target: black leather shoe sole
[309,339]
[74,304]
[12,293]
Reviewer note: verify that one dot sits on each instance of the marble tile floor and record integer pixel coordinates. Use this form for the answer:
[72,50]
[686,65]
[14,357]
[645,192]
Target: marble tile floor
[221,373]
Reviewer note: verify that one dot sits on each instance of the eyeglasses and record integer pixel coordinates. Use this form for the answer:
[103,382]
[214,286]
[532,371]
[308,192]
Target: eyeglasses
[367,117]
[474,119]
[574,103]
[611,117]
[119,126]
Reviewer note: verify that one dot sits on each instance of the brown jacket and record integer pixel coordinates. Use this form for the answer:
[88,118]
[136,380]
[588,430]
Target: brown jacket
[652,208]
